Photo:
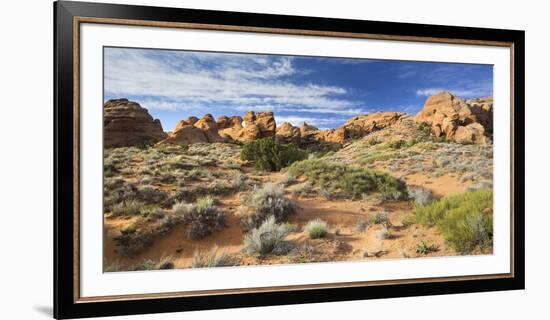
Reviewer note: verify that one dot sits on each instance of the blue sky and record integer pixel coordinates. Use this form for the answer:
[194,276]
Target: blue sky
[324,92]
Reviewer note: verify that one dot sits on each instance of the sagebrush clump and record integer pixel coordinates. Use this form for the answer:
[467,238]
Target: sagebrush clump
[208,259]
[262,203]
[267,238]
[420,195]
[201,217]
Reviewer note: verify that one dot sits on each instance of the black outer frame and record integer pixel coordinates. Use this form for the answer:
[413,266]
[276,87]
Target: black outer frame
[65,307]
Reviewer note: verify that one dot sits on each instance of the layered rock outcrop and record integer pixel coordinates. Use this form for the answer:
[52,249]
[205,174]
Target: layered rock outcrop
[288,133]
[208,125]
[263,121]
[354,128]
[224,129]
[464,121]
[360,126]
[126,123]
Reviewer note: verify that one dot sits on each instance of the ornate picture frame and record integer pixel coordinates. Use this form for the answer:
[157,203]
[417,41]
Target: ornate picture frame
[69,161]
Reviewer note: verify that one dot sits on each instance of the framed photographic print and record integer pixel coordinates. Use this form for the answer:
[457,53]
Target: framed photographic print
[209,159]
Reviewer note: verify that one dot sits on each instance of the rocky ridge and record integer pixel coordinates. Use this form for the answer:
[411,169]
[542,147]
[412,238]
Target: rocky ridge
[447,116]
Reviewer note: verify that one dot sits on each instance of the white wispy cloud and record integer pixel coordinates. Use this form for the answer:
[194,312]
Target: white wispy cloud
[318,122]
[186,80]
[463,93]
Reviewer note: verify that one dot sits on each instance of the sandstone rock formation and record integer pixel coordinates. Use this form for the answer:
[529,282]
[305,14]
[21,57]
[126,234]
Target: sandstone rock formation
[225,129]
[180,125]
[209,127]
[185,134]
[225,122]
[464,121]
[288,133]
[192,120]
[360,126]
[264,121]
[354,128]
[126,123]
[257,125]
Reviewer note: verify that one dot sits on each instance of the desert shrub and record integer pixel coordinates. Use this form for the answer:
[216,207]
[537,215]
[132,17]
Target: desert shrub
[316,229]
[302,254]
[113,183]
[361,225]
[149,194]
[163,264]
[146,180]
[238,180]
[287,179]
[373,142]
[201,217]
[485,184]
[209,259]
[408,220]
[424,248]
[396,144]
[126,193]
[109,169]
[379,218]
[127,208]
[421,196]
[403,253]
[145,265]
[425,129]
[133,226]
[270,155]
[301,190]
[325,193]
[349,181]
[465,232]
[167,178]
[153,213]
[267,238]
[218,187]
[131,243]
[267,201]
[464,220]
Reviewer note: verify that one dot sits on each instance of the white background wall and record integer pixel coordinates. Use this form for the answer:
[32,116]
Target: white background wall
[26,158]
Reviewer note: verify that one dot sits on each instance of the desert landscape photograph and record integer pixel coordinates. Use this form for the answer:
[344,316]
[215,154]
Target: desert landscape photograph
[215,159]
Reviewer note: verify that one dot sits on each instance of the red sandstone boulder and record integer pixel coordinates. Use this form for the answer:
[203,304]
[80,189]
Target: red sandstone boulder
[126,123]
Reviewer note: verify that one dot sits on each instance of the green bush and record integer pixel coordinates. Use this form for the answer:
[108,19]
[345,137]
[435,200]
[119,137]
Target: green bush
[316,229]
[465,220]
[270,155]
[349,181]
[397,144]
[425,128]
